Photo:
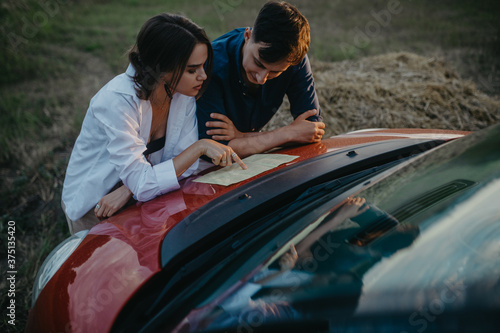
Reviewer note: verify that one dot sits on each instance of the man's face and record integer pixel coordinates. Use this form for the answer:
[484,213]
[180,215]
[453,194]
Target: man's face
[256,70]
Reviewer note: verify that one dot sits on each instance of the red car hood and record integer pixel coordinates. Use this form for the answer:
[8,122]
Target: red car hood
[121,253]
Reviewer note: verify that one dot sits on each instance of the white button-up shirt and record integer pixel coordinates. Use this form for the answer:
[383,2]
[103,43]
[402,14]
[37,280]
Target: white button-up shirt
[111,143]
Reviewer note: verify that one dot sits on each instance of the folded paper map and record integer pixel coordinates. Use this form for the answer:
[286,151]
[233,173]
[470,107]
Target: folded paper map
[256,164]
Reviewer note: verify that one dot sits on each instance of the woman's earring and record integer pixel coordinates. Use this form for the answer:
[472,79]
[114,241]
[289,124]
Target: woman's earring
[168,91]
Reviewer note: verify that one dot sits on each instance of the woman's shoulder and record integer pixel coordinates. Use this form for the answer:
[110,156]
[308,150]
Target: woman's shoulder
[120,90]
[117,103]
[122,84]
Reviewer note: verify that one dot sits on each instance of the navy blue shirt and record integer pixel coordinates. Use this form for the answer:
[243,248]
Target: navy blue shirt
[228,94]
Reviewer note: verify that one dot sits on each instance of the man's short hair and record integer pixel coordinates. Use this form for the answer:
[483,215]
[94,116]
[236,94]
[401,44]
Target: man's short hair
[285,31]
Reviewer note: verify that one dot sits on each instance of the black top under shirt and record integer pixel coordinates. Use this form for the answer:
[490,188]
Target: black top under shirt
[154,146]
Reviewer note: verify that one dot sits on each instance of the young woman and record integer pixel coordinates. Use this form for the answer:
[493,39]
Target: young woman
[140,132]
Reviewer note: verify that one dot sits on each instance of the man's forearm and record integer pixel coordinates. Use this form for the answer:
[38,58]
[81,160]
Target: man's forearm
[258,142]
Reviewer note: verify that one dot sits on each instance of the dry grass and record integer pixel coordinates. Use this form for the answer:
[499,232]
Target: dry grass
[397,90]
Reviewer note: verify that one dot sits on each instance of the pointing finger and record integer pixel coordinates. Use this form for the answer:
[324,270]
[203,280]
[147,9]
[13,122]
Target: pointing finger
[238,160]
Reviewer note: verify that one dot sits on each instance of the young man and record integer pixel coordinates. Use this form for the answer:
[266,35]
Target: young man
[253,70]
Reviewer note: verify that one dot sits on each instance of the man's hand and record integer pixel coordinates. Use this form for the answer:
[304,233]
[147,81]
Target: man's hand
[300,131]
[224,129]
[305,131]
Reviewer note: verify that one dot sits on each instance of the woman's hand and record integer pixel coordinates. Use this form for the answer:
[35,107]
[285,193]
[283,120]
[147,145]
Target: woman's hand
[224,129]
[220,154]
[112,202]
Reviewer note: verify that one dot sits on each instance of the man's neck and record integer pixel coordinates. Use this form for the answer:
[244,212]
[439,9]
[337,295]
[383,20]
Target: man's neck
[252,87]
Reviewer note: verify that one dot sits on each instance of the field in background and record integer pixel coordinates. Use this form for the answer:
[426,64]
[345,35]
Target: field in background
[56,54]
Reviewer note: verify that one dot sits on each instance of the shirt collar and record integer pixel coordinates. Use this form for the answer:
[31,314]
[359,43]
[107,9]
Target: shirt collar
[237,45]
[238,57]
[130,70]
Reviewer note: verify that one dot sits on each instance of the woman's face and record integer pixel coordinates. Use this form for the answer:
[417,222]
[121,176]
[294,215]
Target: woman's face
[194,73]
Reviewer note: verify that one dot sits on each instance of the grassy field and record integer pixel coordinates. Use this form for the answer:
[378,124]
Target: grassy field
[56,54]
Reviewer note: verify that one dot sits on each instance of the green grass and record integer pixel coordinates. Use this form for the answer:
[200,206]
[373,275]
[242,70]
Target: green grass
[50,71]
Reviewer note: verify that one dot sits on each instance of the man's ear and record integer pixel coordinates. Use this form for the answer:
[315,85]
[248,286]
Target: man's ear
[248,34]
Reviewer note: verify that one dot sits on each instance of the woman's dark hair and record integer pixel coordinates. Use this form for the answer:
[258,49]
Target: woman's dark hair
[285,31]
[164,45]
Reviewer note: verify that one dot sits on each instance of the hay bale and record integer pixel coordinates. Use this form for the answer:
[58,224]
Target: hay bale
[396,90]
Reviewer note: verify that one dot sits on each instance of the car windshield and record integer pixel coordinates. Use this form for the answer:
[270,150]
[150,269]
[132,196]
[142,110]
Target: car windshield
[430,226]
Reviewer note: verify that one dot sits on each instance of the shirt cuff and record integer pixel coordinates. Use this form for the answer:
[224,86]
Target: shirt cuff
[166,177]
